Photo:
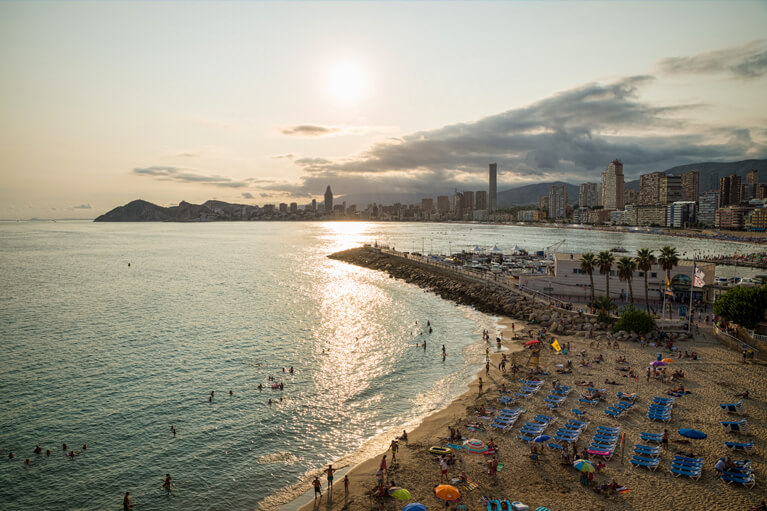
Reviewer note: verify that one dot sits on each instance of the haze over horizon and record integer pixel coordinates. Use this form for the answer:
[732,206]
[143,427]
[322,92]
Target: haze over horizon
[106,102]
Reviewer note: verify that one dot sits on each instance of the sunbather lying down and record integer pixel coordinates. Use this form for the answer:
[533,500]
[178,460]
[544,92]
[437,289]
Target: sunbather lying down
[681,441]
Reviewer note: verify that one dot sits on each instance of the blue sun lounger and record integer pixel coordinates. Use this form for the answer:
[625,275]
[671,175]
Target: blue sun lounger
[693,472]
[738,446]
[651,437]
[746,480]
[644,450]
[578,413]
[641,461]
[740,426]
[733,407]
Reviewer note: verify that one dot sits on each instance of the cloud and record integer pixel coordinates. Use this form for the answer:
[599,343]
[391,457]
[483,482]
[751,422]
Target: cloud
[82,206]
[247,195]
[288,156]
[262,194]
[746,61]
[187,155]
[309,130]
[570,136]
[186,175]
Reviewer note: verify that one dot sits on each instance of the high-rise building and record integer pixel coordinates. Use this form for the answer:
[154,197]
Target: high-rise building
[681,213]
[443,204]
[750,190]
[457,208]
[729,191]
[314,204]
[691,185]
[493,182]
[612,186]
[708,203]
[283,207]
[543,203]
[328,200]
[294,207]
[427,206]
[670,189]
[630,196]
[588,195]
[480,199]
[557,201]
[468,203]
[649,189]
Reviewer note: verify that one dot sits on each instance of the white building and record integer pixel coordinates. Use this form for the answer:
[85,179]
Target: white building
[708,203]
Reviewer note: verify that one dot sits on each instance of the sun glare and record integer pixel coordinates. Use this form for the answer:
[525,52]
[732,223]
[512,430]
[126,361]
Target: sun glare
[346,82]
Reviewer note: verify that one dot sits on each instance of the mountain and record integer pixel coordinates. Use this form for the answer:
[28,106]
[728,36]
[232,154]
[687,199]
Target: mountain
[529,194]
[143,211]
[710,172]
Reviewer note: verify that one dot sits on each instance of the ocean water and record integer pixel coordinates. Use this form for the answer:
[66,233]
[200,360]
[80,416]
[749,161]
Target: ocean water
[99,352]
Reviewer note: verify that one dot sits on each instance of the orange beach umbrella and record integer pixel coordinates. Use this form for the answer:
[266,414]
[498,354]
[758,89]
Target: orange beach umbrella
[667,360]
[447,492]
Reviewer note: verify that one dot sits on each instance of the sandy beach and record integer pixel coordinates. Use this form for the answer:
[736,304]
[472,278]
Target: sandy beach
[713,379]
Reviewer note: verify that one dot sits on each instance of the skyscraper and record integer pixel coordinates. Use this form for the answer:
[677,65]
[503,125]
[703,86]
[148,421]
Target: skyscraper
[691,185]
[557,201]
[751,188]
[729,191]
[468,203]
[492,194]
[314,204]
[443,204]
[328,200]
[649,189]
[588,195]
[670,189]
[612,186]
[480,200]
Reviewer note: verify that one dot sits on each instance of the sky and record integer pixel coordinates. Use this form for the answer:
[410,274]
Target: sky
[254,102]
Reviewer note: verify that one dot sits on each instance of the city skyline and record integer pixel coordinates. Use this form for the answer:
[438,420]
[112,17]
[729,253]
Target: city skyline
[275,101]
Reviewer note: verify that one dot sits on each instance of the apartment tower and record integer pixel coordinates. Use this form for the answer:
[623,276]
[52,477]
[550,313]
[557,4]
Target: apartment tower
[612,186]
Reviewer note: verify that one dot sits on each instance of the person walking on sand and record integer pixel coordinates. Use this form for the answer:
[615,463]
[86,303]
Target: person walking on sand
[480,385]
[383,463]
[346,485]
[394,448]
[330,471]
[317,487]
[664,439]
[443,470]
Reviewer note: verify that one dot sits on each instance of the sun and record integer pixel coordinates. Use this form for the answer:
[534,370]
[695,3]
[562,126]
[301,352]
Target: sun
[346,82]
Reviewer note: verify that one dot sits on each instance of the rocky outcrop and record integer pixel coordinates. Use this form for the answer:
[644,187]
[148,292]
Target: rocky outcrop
[481,294]
[143,211]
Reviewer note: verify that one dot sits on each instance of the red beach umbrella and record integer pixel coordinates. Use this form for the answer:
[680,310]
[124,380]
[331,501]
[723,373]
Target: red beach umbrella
[534,341]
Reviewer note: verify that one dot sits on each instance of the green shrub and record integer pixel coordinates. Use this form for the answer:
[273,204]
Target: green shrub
[634,320]
[743,305]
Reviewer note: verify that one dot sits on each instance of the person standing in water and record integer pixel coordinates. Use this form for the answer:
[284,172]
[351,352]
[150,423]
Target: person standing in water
[166,484]
[126,501]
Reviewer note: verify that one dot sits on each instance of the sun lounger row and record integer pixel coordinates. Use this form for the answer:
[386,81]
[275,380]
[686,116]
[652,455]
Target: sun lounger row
[570,431]
[506,418]
[532,429]
[639,460]
[557,396]
[740,426]
[651,437]
[604,441]
[733,407]
[619,408]
[529,388]
[741,473]
[685,466]
[660,409]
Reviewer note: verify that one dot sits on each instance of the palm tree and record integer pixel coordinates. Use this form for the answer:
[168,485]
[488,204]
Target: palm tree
[605,262]
[667,259]
[588,264]
[645,259]
[626,268]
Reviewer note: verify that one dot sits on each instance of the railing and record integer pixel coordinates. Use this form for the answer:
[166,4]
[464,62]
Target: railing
[733,342]
[754,335]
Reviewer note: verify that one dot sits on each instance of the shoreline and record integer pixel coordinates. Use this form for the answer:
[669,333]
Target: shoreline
[360,473]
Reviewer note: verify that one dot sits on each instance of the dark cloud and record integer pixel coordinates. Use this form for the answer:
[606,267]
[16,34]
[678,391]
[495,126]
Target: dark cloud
[309,130]
[247,195]
[746,61]
[82,206]
[571,136]
[288,156]
[184,175]
[262,194]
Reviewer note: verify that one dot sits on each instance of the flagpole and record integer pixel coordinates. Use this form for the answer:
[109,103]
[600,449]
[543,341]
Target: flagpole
[692,285]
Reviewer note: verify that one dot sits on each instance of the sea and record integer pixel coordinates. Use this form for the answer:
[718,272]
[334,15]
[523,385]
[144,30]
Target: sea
[111,333]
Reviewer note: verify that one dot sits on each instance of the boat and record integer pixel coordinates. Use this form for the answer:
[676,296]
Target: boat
[619,250]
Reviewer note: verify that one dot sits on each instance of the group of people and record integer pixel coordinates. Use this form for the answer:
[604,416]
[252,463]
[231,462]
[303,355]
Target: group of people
[38,450]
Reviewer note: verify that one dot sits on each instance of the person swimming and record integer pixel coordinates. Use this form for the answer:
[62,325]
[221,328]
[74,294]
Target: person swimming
[38,449]
[166,484]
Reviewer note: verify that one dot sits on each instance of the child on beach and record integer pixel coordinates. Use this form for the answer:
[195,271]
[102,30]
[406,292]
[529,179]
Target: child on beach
[317,487]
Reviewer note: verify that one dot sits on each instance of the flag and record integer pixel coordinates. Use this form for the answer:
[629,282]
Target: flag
[668,291]
[697,281]
[556,345]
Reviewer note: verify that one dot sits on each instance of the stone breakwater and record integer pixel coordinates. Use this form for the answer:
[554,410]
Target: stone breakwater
[483,295]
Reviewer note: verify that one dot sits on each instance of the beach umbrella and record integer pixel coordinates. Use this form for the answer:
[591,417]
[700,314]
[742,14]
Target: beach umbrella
[415,506]
[584,466]
[541,438]
[400,494]
[657,363]
[534,341]
[693,433]
[447,492]
[475,445]
[668,360]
